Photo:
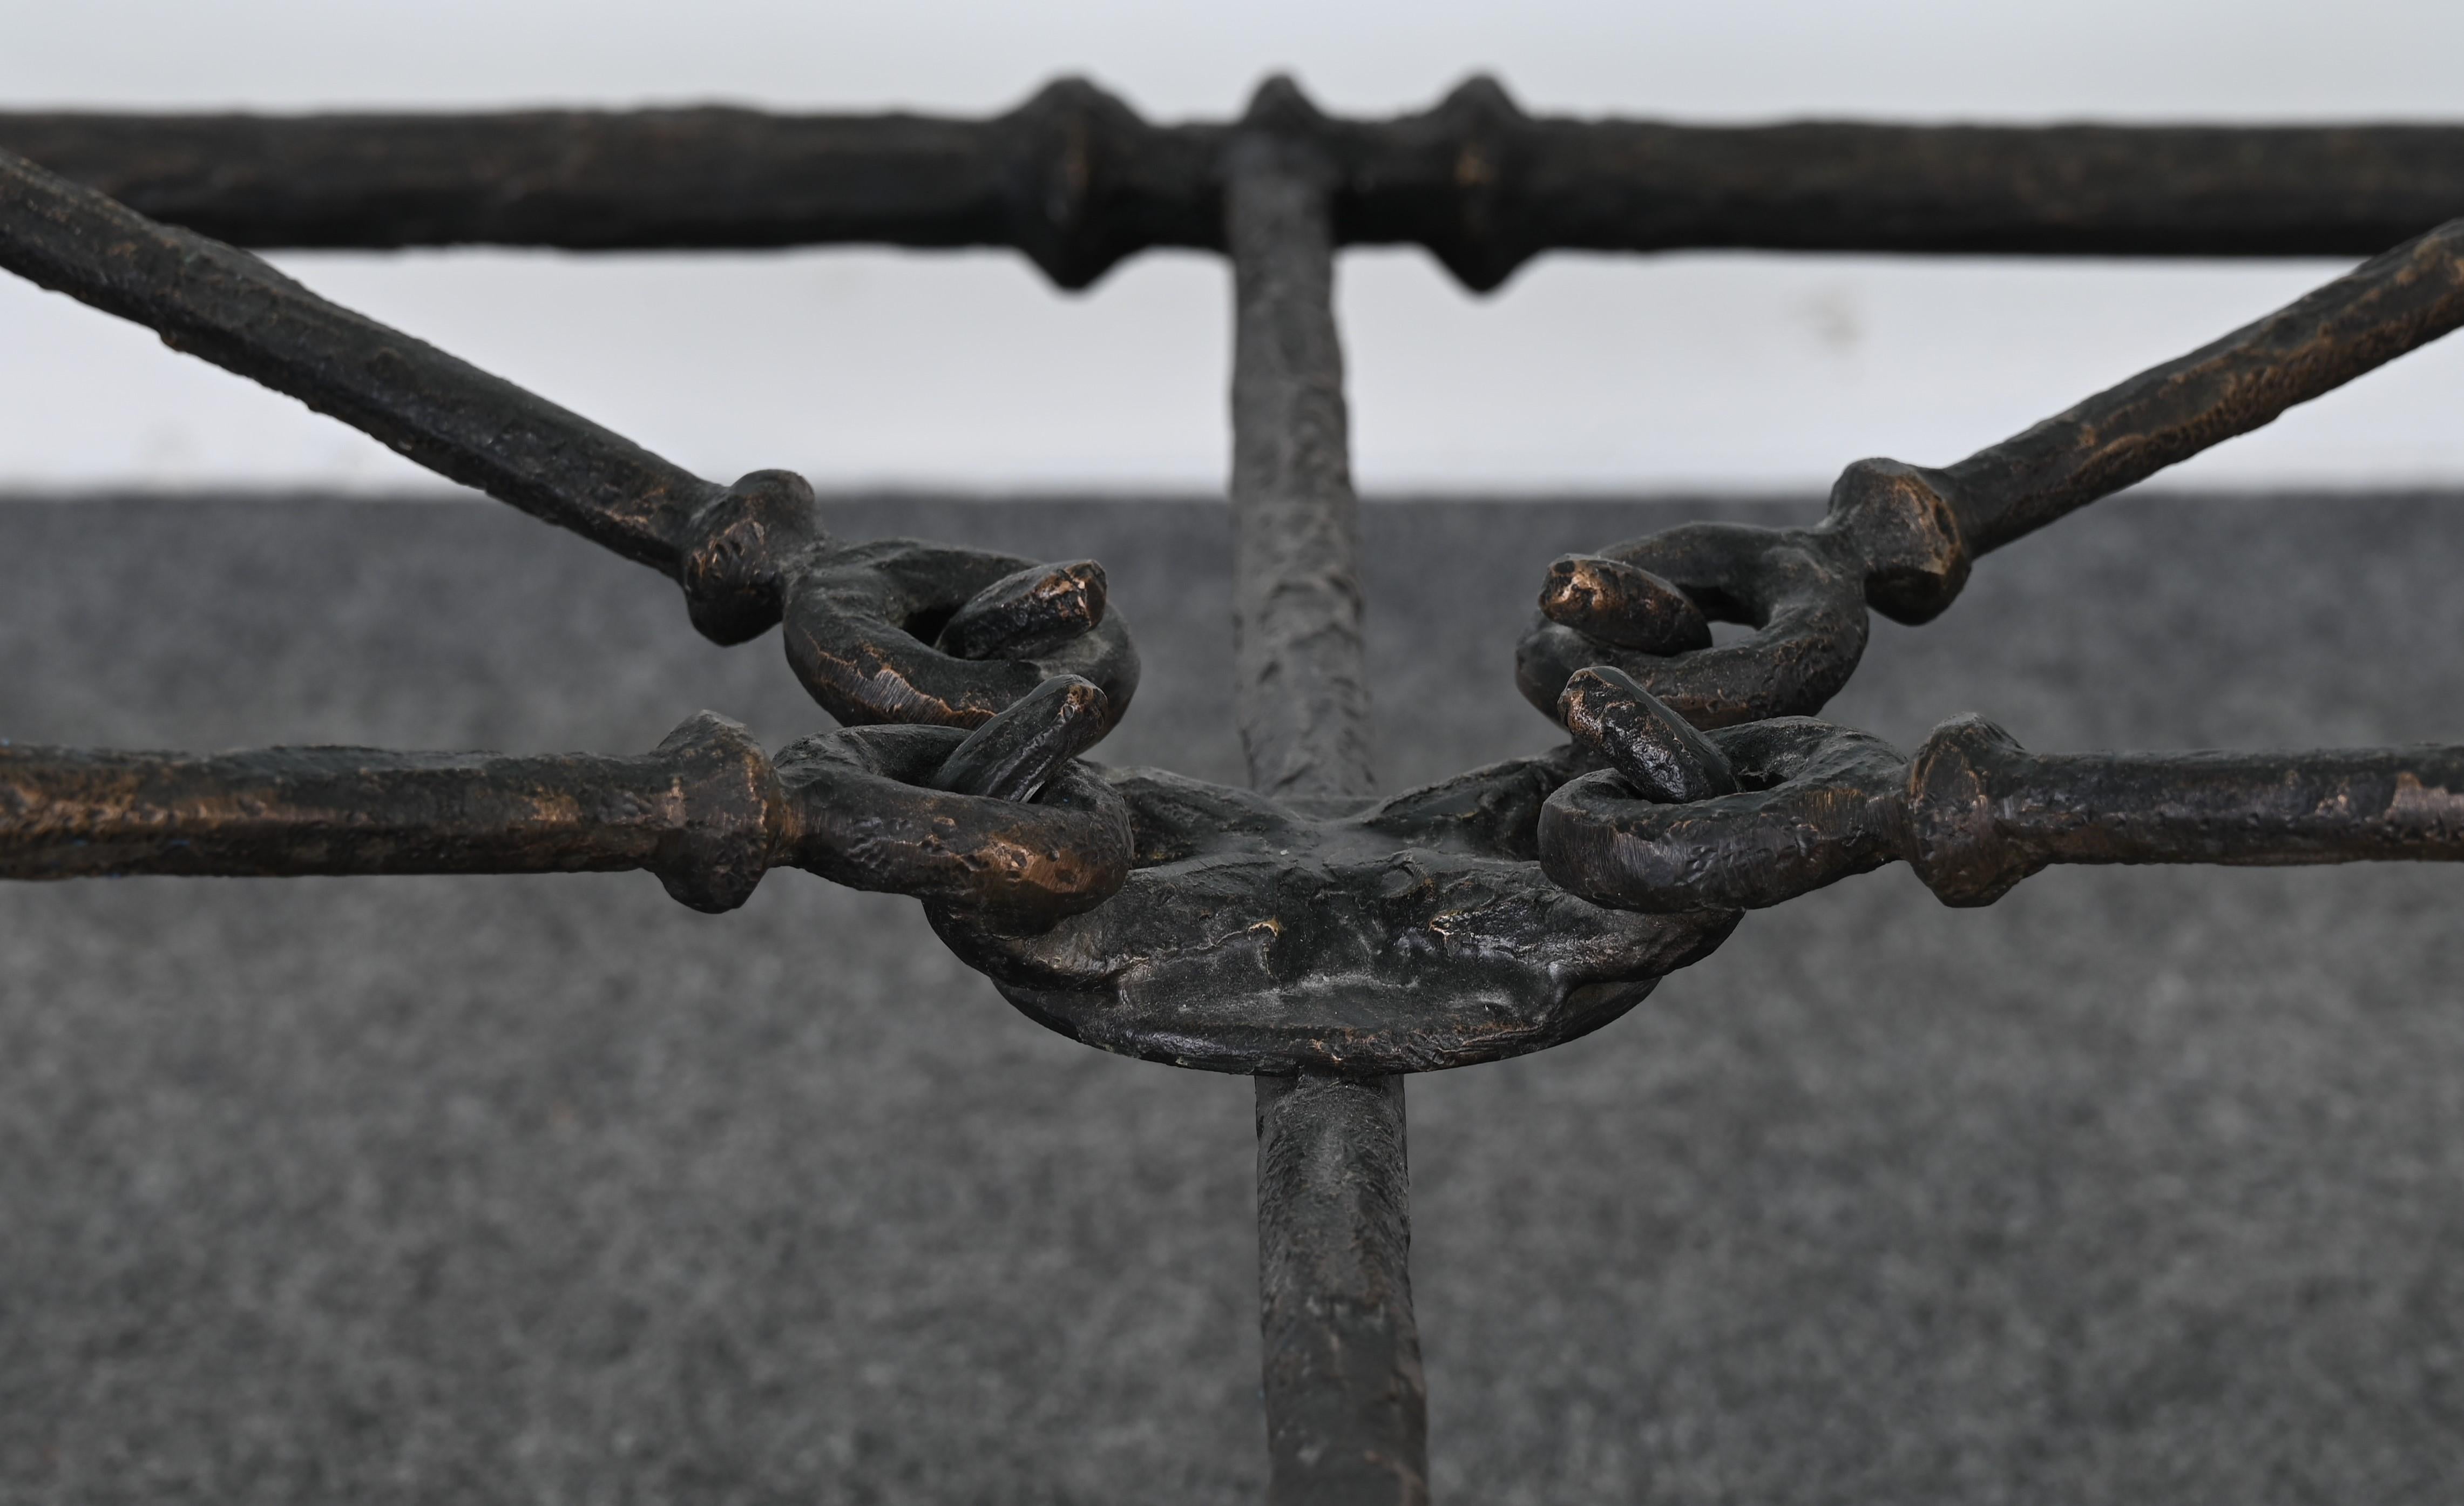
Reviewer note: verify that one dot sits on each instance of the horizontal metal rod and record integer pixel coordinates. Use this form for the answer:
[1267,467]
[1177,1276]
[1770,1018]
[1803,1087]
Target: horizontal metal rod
[927,811]
[1077,181]
[1758,814]
[706,812]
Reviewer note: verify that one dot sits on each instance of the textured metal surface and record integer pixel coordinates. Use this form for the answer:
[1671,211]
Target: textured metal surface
[745,553]
[1077,181]
[1414,935]
[1301,694]
[707,812]
[1758,814]
[1347,1402]
[1300,931]
[1902,538]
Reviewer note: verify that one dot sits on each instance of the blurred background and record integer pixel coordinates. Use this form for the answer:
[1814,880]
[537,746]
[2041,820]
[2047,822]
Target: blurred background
[2139,1186]
[860,368]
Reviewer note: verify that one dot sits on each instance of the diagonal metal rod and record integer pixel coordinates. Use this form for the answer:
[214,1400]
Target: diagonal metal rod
[1346,1411]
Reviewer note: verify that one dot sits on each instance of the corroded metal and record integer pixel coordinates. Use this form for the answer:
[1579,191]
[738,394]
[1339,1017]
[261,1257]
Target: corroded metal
[1301,931]
[1074,179]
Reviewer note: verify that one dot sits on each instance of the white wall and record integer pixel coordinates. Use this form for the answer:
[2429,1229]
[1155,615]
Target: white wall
[856,366]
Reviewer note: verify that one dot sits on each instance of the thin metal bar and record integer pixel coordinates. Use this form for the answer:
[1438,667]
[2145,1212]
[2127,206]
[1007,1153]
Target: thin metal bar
[232,309]
[1077,181]
[1303,696]
[1346,1411]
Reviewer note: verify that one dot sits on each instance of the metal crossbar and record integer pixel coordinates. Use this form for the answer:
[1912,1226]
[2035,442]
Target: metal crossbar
[1302,931]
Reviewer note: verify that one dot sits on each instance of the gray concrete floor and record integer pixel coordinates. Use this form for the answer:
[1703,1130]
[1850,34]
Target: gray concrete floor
[2141,1186]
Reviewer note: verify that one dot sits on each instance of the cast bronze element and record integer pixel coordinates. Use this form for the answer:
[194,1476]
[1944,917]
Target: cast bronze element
[1303,930]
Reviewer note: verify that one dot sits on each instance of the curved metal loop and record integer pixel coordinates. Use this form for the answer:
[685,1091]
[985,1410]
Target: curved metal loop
[871,818]
[744,553]
[1407,935]
[1972,812]
[1802,590]
[870,630]
[1815,804]
[899,629]
[1902,538]
[1002,819]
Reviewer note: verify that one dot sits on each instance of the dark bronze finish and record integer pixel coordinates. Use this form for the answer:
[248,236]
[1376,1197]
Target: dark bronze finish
[1622,606]
[1658,751]
[1347,1402]
[1347,1406]
[706,813]
[1302,931]
[745,553]
[1074,179]
[1257,936]
[1972,812]
[1902,537]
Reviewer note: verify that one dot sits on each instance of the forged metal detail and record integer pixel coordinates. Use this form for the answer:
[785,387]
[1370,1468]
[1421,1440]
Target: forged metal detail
[873,820]
[998,821]
[1015,754]
[1414,935]
[1984,812]
[1799,588]
[927,811]
[1655,750]
[705,812]
[861,623]
[744,553]
[1303,696]
[1347,1406]
[1974,813]
[738,551]
[1816,803]
[1027,611]
[1902,538]
[1302,931]
[1077,181]
[2388,305]
[1623,606]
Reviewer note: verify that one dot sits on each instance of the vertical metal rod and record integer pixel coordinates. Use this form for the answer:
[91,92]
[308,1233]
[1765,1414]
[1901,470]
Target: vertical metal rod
[1303,694]
[1347,1409]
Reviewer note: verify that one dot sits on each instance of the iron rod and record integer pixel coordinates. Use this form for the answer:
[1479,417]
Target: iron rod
[231,308]
[1347,1409]
[1078,181]
[1346,1412]
[1303,694]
